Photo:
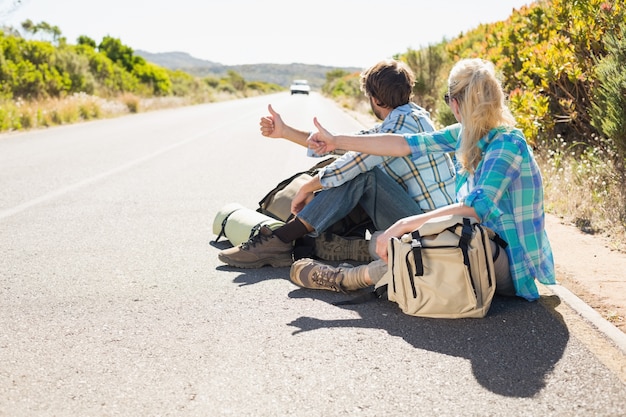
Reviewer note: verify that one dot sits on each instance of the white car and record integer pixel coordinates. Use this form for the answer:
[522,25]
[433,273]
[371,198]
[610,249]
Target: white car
[300,87]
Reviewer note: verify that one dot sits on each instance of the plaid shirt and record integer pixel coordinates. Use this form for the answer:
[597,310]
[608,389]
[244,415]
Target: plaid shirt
[428,179]
[508,197]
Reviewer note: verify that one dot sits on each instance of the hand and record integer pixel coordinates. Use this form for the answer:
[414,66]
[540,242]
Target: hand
[399,228]
[301,199]
[272,126]
[382,244]
[322,141]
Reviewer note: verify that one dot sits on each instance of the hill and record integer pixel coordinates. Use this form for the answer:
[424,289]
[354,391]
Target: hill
[281,74]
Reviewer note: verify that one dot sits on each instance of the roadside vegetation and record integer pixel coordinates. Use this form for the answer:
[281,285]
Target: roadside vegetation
[562,63]
[46,81]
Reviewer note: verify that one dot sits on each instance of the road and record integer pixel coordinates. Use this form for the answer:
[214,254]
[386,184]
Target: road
[113,301]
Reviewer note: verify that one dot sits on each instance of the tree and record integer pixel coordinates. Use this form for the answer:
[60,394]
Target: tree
[42,27]
[86,40]
[117,52]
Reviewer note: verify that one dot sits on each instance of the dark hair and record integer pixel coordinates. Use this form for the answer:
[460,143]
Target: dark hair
[390,82]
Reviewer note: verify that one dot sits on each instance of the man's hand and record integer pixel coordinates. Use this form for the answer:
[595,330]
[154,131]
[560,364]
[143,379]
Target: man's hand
[301,199]
[321,142]
[272,126]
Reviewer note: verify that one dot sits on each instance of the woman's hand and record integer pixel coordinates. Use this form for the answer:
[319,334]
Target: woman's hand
[399,228]
[321,142]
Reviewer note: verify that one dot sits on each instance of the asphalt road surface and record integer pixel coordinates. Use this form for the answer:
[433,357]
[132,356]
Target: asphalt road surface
[113,301]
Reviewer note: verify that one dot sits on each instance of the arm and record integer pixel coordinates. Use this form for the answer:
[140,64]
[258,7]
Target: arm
[272,126]
[385,145]
[500,167]
[409,224]
[305,194]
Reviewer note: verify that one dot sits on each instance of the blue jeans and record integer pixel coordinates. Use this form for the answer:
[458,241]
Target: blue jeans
[382,198]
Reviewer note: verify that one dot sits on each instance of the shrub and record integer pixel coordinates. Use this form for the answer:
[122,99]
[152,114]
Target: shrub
[609,103]
[76,68]
[430,66]
[131,101]
[154,77]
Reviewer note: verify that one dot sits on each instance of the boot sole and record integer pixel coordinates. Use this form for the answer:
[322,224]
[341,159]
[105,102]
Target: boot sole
[273,262]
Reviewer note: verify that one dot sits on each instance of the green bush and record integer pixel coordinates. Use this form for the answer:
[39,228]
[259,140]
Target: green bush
[77,69]
[212,82]
[153,76]
[430,66]
[609,105]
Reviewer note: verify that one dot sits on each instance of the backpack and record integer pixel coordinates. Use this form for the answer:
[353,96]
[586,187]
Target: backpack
[277,204]
[442,270]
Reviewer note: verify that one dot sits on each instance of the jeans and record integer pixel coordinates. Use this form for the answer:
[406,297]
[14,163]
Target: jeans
[382,198]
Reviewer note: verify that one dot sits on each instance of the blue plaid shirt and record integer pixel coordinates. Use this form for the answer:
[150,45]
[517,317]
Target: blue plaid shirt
[428,179]
[508,197]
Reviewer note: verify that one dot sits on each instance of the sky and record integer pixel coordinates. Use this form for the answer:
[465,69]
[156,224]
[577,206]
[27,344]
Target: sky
[338,33]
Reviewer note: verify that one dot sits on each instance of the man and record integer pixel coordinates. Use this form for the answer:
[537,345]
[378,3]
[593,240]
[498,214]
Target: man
[387,188]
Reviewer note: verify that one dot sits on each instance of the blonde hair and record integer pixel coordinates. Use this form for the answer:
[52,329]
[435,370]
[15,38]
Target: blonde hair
[473,83]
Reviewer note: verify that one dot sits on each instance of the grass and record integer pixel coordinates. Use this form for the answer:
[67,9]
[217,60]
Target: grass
[23,115]
[585,185]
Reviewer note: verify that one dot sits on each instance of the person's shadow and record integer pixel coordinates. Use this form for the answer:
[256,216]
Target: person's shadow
[512,350]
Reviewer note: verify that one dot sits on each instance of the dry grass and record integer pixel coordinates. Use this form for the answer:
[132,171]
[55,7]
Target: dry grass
[23,115]
[585,186]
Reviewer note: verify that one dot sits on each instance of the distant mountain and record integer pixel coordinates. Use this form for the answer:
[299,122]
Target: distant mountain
[281,74]
[177,60]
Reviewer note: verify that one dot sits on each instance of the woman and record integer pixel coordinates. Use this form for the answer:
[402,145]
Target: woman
[498,183]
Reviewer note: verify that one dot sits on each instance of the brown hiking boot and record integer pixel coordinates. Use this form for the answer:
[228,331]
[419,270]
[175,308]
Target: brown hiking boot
[332,247]
[263,249]
[308,273]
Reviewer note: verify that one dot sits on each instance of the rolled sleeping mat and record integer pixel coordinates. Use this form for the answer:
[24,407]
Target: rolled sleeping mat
[238,223]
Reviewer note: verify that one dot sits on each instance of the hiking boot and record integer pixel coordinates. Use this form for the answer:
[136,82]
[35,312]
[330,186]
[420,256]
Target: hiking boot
[332,247]
[264,248]
[308,273]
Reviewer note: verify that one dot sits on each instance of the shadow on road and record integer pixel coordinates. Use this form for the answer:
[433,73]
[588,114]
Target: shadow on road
[512,350]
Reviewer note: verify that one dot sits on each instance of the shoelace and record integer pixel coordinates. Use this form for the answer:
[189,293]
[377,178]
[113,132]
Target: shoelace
[327,277]
[259,238]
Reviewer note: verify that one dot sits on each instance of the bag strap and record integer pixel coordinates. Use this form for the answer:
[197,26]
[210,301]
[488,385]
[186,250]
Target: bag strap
[277,188]
[416,249]
[501,242]
[223,230]
[364,298]
[466,237]
[311,171]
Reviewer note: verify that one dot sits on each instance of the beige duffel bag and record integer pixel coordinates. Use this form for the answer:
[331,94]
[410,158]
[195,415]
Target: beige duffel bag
[442,270]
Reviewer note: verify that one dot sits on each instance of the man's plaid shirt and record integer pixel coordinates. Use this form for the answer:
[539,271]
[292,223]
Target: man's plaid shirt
[428,179]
